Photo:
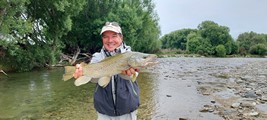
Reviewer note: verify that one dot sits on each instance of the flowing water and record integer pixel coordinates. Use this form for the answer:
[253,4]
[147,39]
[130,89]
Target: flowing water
[168,91]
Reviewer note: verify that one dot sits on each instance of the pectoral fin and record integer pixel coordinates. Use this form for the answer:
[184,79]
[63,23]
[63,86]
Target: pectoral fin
[134,76]
[82,80]
[104,81]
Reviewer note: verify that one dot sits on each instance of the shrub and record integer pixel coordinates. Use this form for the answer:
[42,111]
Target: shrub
[258,49]
[220,51]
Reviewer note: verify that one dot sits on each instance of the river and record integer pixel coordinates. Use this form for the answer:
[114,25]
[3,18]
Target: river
[169,91]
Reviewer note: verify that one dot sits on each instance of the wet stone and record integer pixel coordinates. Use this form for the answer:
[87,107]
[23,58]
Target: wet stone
[264,98]
[248,104]
[183,119]
[235,105]
[213,101]
[168,95]
[250,94]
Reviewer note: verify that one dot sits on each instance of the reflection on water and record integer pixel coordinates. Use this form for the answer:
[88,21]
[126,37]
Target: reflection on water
[148,85]
[43,95]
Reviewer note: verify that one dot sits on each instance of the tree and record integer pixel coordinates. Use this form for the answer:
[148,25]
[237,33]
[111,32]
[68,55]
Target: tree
[258,49]
[216,35]
[220,51]
[30,31]
[177,39]
[33,33]
[193,43]
[248,39]
[137,19]
[55,17]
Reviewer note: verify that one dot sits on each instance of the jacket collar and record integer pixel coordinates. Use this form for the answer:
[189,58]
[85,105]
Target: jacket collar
[121,49]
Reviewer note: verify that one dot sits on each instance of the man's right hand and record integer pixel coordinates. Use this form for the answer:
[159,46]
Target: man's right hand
[78,72]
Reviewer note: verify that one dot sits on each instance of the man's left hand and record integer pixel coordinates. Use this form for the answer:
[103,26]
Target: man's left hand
[130,71]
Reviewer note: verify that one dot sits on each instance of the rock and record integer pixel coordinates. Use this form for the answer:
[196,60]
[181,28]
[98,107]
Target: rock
[250,94]
[246,78]
[213,101]
[168,95]
[264,98]
[239,81]
[254,114]
[235,105]
[183,119]
[207,108]
[248,104]
[258,92]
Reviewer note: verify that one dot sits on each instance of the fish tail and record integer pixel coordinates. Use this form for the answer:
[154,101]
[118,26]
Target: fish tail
[69,70]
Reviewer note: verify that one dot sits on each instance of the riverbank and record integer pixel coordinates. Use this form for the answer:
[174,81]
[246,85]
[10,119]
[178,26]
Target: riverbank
[211,88]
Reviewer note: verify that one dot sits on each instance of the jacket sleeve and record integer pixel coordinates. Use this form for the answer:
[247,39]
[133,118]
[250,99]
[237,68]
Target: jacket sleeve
[97,57]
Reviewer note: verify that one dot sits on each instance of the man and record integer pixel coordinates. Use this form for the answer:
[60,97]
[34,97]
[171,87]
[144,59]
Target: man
[119,100]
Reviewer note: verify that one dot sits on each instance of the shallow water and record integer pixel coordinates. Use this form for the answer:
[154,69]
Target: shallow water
[168,92]
[43,95]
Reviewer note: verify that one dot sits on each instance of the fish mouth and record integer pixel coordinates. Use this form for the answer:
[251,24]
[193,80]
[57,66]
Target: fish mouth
[151,60]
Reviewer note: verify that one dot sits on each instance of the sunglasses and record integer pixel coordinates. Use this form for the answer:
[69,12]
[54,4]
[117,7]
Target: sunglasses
[112,23]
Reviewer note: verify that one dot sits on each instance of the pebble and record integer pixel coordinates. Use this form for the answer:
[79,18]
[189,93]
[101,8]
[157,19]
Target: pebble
[168,95]
[235,105]
[248,104]
[250,94]
[248,83]
[264,98]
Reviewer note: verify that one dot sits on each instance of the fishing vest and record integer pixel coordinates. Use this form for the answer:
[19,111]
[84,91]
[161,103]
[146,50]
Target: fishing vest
[120,96]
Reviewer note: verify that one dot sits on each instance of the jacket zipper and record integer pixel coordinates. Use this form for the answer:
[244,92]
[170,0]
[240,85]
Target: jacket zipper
[114,84]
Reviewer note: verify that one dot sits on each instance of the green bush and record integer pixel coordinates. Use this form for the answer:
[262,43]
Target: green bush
[220,51]
[258,49]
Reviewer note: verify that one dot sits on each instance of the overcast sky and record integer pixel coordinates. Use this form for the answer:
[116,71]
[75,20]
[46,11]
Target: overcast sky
[239,15]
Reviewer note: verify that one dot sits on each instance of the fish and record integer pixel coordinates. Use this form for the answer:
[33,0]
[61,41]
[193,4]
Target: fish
[105,69]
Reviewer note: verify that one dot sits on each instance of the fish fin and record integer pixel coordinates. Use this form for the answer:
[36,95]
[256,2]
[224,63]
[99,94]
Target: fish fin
[134,76]
[103,81]
[69,70]
[82,80]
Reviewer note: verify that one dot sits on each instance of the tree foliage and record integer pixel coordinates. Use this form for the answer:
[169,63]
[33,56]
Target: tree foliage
[33,33]
[216,35]
[176,39]
[259,49]
[31,30]
[220,51]
[203,40]
[137,19]
[250,39]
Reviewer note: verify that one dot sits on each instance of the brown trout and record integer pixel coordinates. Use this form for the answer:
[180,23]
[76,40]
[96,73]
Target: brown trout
[111,66]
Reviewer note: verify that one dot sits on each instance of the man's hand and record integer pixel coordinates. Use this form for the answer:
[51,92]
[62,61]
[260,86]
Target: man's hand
[78,72]
[130,71]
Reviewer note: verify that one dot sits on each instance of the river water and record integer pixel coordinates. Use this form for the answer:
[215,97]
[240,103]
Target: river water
[168,92]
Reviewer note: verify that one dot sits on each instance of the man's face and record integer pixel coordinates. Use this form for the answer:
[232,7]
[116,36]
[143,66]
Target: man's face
[111,40]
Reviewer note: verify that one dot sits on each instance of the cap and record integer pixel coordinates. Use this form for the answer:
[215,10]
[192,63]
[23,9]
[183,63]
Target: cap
[111,26]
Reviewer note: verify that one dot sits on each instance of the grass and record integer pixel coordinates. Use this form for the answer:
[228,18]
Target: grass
[163,53]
